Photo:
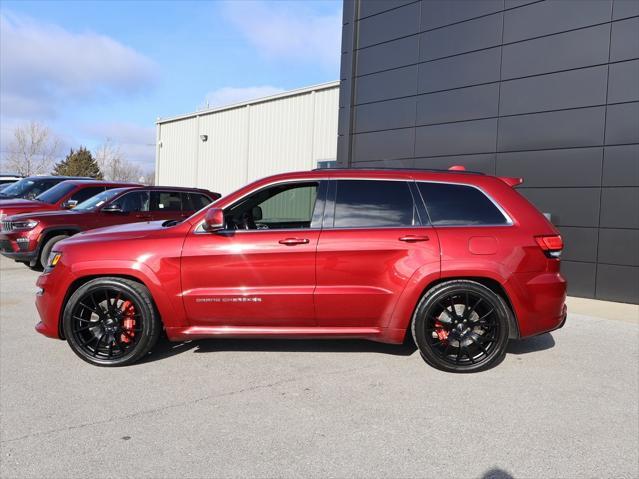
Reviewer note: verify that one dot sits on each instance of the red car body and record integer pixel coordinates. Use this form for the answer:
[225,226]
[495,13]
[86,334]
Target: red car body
[325,282]
[61,196]
[26,244]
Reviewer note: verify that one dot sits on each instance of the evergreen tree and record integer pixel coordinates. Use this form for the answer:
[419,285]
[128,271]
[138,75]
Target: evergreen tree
[78,163]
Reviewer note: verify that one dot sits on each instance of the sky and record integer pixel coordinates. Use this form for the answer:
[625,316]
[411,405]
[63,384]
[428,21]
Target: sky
[98,70]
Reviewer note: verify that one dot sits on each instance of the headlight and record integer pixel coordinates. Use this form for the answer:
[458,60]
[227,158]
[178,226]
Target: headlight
[54,258]
[24,225]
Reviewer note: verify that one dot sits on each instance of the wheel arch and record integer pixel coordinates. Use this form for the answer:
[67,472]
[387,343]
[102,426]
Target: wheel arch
[49,233]
[404,318]
[77,283]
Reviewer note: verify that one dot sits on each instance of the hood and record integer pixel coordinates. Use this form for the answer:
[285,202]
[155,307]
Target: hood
[17,206]
[123,232]
[39,214]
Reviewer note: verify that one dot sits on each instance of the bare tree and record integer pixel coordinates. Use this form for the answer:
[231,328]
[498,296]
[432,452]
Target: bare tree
[113,164]
[148,178]
[32,151]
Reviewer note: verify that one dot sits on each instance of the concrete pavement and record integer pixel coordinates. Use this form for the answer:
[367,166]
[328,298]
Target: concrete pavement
[560,405]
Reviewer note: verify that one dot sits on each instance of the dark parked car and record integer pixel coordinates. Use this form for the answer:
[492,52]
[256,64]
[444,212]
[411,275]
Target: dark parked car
[29,237]
[63,196]
[460,261]
[8,180]
[32,186]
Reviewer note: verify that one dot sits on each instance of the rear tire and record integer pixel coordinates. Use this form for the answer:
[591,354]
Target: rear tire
[111,321]
[46,251]
[461,326]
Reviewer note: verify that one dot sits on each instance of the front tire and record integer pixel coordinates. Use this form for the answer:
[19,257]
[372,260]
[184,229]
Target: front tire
[461,326]
[42,261]
[111,321]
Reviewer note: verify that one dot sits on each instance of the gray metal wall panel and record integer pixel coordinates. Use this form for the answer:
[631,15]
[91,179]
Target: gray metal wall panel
[435,140]
[384,145]
[618,283]
[393,24]
[580,244]
[461,104]
[624,40]
[619,246]
[385,115]
[559,129]
[581,277]
[624,9]
[463,70]
[557,52]
[463,37]
[437,13]
[553,168]
[373,7]
[542,94]
[620,207]
[553,16]
[386,85]
[567,206]
[395,54]
[623,81]
[484,163]
[621,165]
[622,124]
[555,91]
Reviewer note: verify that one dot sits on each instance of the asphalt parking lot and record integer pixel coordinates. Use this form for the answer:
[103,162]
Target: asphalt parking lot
[560,405]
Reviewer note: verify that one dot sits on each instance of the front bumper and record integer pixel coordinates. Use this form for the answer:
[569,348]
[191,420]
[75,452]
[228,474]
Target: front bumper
[18,247]
[50,299]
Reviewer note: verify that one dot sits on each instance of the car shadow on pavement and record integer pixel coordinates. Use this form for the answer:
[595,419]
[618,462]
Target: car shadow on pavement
[165,349]
[531,345]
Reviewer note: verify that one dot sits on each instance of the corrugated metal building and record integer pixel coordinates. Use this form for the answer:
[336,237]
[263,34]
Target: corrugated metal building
[225,148]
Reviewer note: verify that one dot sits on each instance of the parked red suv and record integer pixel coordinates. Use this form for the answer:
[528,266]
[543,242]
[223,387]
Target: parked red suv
[30,237]
[63,195]
[460,260]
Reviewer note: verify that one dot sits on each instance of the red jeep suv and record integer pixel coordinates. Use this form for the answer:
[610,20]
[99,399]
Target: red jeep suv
[64,195]
[459,260]
[30,237]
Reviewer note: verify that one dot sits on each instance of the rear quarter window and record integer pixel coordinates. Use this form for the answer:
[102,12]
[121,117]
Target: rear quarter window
[459,205]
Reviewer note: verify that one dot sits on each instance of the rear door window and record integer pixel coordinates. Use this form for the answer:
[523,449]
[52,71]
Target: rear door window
[459,205]
[166,201]
[374,204]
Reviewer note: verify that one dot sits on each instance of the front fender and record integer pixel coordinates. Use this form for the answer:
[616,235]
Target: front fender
[164,285]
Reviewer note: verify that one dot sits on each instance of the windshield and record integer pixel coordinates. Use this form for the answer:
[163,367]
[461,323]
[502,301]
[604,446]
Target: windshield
[27,188]
[98,200]
[55,194]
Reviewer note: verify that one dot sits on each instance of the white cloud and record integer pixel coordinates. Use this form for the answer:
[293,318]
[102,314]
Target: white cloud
[291,30]
[43,67]
[136,142]
[230,95]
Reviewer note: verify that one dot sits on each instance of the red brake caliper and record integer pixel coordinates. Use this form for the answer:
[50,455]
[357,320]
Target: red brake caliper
[442,334]
[128,322]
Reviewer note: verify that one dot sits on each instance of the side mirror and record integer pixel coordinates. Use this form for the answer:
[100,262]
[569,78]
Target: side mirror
[213,220]
[112,208]
[69,204]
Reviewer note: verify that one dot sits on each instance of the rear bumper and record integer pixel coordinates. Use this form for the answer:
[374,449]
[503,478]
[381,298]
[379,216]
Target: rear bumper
[539,300]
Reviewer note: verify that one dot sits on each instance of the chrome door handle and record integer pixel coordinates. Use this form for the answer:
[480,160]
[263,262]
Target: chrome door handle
[293,241]
[413,238]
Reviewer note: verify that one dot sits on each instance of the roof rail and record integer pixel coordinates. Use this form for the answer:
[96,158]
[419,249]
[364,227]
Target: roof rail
[390,168]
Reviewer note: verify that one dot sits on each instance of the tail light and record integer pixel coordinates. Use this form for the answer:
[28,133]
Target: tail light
[550,245]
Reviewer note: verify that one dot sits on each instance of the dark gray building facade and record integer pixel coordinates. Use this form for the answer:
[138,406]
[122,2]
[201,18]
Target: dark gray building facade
[547,90]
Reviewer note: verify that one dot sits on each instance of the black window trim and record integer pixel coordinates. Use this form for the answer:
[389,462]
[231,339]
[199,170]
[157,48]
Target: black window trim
[329,212]
[509,221]
[320,203]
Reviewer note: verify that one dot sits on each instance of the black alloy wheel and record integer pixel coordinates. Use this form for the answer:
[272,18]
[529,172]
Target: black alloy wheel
[111,322]
[461,326]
